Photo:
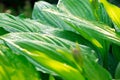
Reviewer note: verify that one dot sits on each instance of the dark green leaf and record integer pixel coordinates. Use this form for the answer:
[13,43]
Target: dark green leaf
[117,74]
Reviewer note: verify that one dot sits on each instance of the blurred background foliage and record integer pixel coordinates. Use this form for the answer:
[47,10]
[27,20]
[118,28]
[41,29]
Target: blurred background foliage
[116,2]
[24,7]
[20,7]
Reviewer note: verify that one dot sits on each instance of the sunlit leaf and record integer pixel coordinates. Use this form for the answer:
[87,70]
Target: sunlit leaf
[42,50]
[46,18]
[113,11]
[101,13]
[12,65]
[14,24]
[78,8]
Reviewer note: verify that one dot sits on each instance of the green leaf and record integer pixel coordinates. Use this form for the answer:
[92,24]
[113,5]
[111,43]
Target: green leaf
[79,26]
[117,74]
[54,56]
[72,10]
[15,24]
[94,28]
[91,70]
[51,77]
[78,8]
[94,71]
[48,42]
[72,36]
[113,11]
[44,52]
[46,18]
[115,51]
[12,65]
[101,13]
[3,31]
[55,51]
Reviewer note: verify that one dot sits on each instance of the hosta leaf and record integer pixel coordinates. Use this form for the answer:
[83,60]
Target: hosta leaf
[12,65]
[72,36]
[101,13]
[30,45]
[42,51]
[91,70]
[53,43]
[15,24]
[94,28]
[80,28]
[46,18]
[113,11]
[63,5]
[94,71]
[78,8]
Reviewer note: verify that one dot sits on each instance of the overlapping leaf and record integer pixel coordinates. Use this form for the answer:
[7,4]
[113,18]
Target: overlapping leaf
[14,24]
[95,69]
[56,17]
[52,55]
[113,11]
[101,13]
[46,18]
[78,8]
[43,51]
[49,40]
[12,65]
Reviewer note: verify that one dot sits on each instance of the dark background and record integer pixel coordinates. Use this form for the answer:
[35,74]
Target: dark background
[19,4]
[116,2]
[17,7]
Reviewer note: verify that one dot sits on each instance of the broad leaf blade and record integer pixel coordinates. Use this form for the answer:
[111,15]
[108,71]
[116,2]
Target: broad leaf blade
[42,52]
[15,24]
[12,65]
[113,11]
[102,31]
[101,13]
[46,18]
[78,8]
[94,71]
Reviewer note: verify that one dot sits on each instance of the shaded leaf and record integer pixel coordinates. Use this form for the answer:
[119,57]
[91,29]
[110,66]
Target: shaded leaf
[116,51]
[117,74]
[94,71]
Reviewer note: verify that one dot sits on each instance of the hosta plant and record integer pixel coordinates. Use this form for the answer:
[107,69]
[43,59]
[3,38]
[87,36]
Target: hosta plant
[73,40]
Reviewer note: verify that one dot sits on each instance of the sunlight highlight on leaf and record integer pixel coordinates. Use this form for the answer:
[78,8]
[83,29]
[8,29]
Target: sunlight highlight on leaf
[114,12]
